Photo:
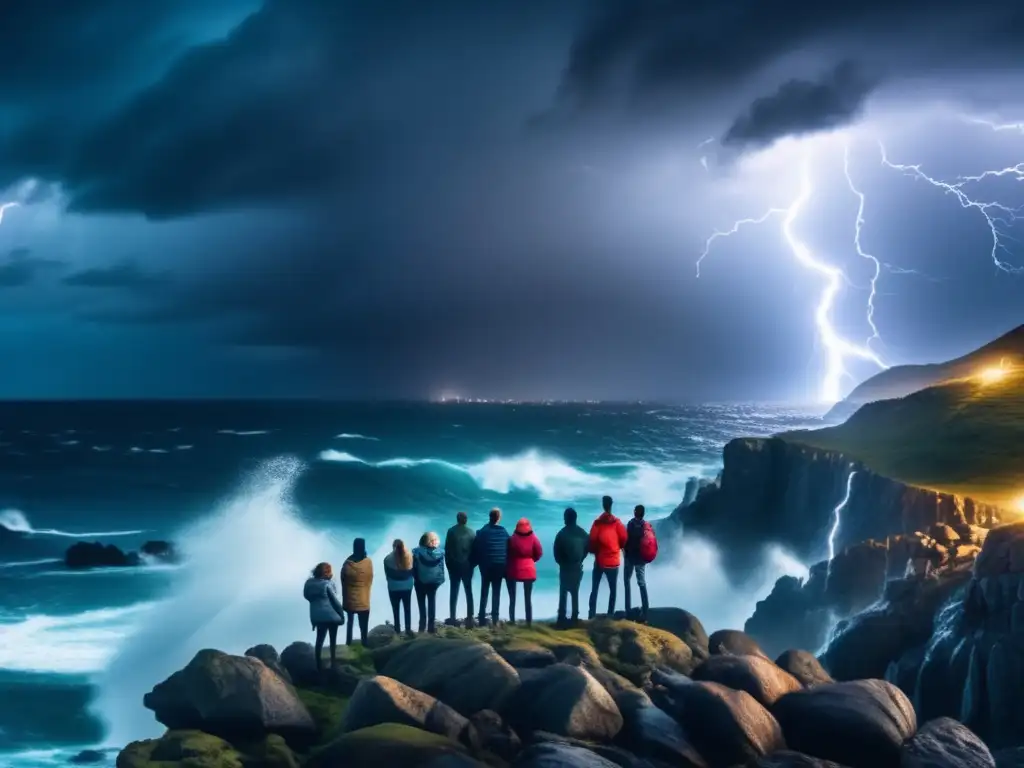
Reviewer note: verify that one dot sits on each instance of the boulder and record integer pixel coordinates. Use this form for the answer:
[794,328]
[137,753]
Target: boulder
[683,625]
[788,759]
[651,733]
[727,727]
[386,745]
[527,655]
[626,695]
[495,735]
[861,724]
[761,678]
[341,680]
[465,674]
[269,656]
[946,743]
[85,554]
[732,642]
[805,667]
[632,649]
[195,749]
[566,701]
[380,636]
[382,700]
[556,755]
[231,697]
[299,659]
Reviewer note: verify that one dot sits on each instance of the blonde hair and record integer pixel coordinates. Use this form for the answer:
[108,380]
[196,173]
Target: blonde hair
[403,557]
[430,539]
[323,571]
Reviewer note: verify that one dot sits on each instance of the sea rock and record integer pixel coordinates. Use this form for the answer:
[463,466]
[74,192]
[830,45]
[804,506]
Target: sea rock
[465,674]
[735,643]
[161,551]
[230,696]
[683,625]
[651,733]
[495,735]
[861,724]
[727,727]
[946,743]
[787,759]
[84,554]
[758,676]
[556,755]
[390,744]
[299,659]
[805,667]
[88,757]
[381,700]
[567,701]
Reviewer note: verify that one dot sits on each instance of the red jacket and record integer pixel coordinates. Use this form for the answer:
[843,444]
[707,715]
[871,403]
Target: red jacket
[524,551]
[607,538]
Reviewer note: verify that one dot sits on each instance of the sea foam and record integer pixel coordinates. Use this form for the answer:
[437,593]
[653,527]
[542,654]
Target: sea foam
[15,520]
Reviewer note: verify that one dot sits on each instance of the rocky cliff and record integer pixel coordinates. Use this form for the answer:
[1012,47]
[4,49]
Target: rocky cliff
[774,491]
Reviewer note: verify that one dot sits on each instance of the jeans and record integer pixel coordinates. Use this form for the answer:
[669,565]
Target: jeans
[641,582]
[426,601]
[612,575]
[569,580]
[460,574]
[491,577]
[364,624]
[322,631]
[402,598]
[527,596]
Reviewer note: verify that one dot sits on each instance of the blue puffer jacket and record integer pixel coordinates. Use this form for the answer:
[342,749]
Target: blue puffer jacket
[428,565]
[490,547]
[324,605]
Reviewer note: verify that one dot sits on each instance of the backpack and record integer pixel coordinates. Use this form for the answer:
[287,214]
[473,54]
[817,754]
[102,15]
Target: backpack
[648,548]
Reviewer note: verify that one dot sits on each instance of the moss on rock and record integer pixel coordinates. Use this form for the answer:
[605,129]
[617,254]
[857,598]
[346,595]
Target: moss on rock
[327,711]
[180,749]
[385,744]
[633,649]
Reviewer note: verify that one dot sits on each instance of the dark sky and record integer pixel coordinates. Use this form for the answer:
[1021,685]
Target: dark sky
[338,198]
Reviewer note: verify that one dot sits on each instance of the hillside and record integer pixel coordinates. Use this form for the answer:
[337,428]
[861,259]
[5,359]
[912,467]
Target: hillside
[902,380]
[964,436]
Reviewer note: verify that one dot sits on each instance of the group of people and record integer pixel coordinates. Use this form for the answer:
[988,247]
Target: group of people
[500,556]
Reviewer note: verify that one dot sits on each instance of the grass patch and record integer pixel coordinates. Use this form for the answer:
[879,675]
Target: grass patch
[356,656]
[963,436]
[326,709]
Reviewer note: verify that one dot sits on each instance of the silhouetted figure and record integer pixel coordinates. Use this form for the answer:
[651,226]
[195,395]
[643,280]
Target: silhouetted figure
[607,538]
[571,544]
[524,551]
[490,552]
[399,574]
[356,583]
[326,612]
[458,558]
[428,573]
[641,549]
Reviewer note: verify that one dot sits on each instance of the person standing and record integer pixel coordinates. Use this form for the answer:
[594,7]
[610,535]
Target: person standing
[398,571]
[490,552]
[607,538]
[356,582]
[326,612]
[428,575]
[641,549]
[570,552]
[524,551]
[458,558]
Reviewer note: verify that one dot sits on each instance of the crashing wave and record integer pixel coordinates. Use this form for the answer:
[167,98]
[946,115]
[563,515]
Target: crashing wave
[15,521]
[354,436]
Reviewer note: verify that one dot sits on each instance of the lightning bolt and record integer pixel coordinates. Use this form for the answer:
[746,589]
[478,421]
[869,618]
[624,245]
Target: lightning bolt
[837,519]
[998,216]
[837,348]
[4,207]
[857,228]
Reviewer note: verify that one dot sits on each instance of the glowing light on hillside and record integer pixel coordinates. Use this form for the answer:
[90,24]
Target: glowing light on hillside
[991,375]
[1019,504]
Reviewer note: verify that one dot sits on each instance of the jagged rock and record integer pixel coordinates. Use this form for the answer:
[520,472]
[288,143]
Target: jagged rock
[946,743]
[761,678]
[269,656]
[805,667]
[465,674]
[683,625]
[651,733]
[735,643]
[556,755]
[1002,553]
[299,659]
[527,655]
[495,735]
[567,701]
[86,554]
[861,724]
[389,744]
[381,700]
[788,759]
[727,727]
[230,696]
[943,534]
[792,614]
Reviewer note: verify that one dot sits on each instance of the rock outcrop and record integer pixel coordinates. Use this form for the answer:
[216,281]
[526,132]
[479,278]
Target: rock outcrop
[94,554]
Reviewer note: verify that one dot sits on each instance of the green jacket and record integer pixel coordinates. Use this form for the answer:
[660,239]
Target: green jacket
[458,545]
[571,547]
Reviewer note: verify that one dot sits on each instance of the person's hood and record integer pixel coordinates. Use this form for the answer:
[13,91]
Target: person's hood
[606,518]
[523,527]
[428,554]
[314,587]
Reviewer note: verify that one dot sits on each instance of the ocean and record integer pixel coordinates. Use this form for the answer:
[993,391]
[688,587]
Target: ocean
[256,493]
